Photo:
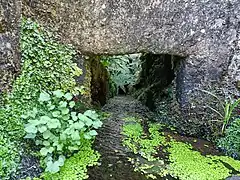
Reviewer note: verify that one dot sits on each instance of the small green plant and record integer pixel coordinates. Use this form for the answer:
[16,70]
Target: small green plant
[230,143]
[58,129]
[228,110]
[75,168]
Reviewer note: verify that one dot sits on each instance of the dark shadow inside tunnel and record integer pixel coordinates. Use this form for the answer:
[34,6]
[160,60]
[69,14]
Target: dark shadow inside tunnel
[147,77]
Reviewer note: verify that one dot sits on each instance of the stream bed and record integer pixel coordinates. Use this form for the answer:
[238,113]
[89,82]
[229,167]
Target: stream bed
[119,161]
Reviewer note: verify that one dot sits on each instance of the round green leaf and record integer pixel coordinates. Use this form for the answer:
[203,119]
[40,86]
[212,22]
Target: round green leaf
[47,134]
[58,93]
[92,133]
[71,104]
[44,151]
[42,129]
[31,129]
[65,111]
[56,113]
[78,125]
[68,96]
[44,97]
[44,119]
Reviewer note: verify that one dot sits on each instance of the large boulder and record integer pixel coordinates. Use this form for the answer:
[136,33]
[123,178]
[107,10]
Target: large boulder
[10,13]
[204,33]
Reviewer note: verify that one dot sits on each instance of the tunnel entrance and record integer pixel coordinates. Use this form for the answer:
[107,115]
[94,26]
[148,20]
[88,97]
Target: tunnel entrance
[147,77]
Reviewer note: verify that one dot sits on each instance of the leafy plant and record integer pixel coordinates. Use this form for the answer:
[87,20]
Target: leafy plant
[58,129]
[228,108]
[230,143]
[46,65]
[75,168]
[124,70]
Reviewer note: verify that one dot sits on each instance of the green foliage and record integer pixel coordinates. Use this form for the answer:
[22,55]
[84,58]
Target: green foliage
[230,143]
[58,129]
[187,164]
[8,157]
[124,70]
[75,168]
[46,66]
[228,111]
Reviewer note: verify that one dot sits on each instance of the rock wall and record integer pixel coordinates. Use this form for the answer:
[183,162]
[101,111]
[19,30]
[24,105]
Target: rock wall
[10,13]
[205,33]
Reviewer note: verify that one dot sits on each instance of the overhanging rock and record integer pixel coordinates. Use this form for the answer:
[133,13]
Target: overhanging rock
[206,33]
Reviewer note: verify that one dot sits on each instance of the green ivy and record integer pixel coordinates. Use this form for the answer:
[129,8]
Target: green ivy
[46,66]
[58,128]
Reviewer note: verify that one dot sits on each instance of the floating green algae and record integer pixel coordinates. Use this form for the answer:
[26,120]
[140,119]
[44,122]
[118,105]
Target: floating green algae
[75,168]
[177,159]
[187,164]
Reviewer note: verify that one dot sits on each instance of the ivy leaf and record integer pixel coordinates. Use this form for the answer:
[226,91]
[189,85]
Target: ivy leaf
[53,124]
[44,119]
[91,114]
[38,142]
[65,111]
[74,116]
[87,136]
[75,135]
[92,133]
[71,104]
[33,113]
[42,129]
[59,147]
[34,122]
[63,137]
[78,125]
[51,107]
[73,148]
[31,129]
[97,124]
[52,167]
[85,119]
[44,151]
[44,97]
[68,96]
[51,149]
[56,113]
[66,117]
[58,93]
[62,104]
[24,116]
[88,122]
[47,134]
[61,160]
[46,143]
